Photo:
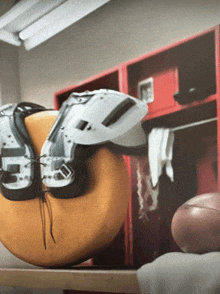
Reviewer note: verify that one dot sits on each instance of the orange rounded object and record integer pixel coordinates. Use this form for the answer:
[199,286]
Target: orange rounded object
[196,224]
[80,226]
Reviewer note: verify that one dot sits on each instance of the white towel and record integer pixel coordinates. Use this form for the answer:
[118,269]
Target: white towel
[181,273]
[160,153]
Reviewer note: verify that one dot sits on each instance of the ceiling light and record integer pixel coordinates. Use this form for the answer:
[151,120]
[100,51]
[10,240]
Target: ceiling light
[32,22]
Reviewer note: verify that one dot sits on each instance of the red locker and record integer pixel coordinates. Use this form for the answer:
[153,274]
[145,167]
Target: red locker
[185,90]
[164,85]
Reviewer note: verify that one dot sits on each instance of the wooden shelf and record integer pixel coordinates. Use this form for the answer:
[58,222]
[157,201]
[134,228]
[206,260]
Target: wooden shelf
[177,108]
[114,281]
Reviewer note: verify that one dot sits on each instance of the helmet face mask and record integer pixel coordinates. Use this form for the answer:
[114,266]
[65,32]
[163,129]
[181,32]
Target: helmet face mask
[85,119]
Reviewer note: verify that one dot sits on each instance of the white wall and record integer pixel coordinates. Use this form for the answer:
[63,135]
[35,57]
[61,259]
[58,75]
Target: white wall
[9,68]
[116,32]
[9,74]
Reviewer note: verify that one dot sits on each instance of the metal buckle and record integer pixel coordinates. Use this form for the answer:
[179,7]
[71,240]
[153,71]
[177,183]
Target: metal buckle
[66,171]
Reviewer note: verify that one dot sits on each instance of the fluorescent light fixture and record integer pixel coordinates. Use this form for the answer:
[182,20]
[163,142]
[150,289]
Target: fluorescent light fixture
[57,20]
[46,20]
[9,37]
[29,16]
[15,11]
[31,22]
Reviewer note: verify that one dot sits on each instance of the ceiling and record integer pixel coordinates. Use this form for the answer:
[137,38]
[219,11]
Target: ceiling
[32,22]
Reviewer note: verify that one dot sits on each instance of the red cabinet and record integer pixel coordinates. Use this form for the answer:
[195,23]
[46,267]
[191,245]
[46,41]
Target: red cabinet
[182,81]
[164,85]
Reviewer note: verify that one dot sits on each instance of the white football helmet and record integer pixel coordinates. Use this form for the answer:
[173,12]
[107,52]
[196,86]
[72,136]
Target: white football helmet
[90,118]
